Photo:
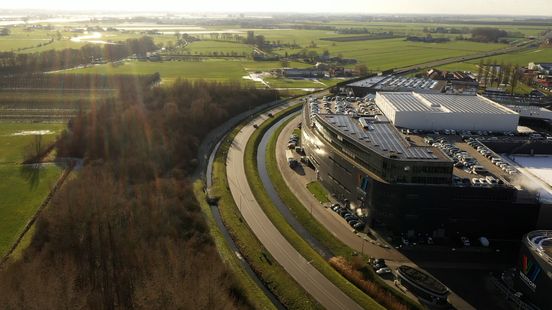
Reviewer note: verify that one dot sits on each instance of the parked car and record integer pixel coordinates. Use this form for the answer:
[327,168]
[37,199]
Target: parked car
[383,271]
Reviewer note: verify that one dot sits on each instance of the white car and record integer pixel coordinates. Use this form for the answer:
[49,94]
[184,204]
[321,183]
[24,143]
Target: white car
[384,270]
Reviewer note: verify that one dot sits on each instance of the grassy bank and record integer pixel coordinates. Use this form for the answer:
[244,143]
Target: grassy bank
[248,287]
[287,290]
[318,191]
[289,233]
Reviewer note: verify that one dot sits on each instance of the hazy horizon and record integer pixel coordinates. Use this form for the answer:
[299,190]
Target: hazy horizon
[416,7]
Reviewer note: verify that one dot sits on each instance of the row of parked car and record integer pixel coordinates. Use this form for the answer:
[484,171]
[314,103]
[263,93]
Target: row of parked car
[352,219]
[462,159]
[488,153]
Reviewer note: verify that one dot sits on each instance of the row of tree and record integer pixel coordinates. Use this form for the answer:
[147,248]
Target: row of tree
[13,63]
[491,74]
[127,233]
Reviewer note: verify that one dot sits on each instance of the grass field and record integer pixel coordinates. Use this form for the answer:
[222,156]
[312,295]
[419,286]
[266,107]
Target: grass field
[13,144]
[318,191]
[209,47]
[396,53]
[213,70]
[21,192]
[520,58]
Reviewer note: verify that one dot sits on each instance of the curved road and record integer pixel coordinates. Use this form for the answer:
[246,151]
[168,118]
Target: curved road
[318,286]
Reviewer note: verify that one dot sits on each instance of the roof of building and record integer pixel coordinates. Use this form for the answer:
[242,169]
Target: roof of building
[531,111]
[442,103]
[380,136]
[541,242]
[400,83]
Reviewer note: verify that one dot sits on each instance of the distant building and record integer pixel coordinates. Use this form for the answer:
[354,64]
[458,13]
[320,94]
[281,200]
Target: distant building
[392,83]
[304,73]
[543,68]
[458,82]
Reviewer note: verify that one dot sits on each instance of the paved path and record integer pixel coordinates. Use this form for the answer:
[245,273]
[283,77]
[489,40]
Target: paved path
[318,286]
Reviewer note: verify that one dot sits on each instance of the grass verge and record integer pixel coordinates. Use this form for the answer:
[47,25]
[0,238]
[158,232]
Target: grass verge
[248,287]
[287,231]
[337,247]
[280,283]
[318,191]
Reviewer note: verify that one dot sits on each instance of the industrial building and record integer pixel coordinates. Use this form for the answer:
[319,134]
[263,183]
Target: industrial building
[441,111]
[534,277]
[403,183]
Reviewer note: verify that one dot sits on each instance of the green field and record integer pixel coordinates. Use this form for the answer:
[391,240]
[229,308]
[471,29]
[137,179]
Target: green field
[23,188]
[21,192]
[212,70]
[13,144]
[210,47]
[520,58]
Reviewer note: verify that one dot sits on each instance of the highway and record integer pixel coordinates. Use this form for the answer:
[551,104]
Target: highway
[318,286]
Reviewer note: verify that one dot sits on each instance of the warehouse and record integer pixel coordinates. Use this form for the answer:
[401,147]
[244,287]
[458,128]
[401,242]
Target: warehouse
[439,112]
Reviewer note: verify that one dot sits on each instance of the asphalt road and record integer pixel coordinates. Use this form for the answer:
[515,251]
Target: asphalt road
[318,286]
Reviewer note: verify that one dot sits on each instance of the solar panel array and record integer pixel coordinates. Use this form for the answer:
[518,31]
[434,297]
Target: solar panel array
[382,137]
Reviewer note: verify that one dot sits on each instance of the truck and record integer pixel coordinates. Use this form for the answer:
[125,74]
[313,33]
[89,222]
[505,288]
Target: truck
[290,160]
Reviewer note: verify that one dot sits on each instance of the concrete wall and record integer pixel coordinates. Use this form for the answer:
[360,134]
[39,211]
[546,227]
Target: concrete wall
[456,121]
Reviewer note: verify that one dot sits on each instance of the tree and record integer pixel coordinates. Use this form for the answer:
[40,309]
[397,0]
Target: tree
[486,74]
[480,71]
[5,31]
[515,76]
[284,63]
[500,75]
[361,69]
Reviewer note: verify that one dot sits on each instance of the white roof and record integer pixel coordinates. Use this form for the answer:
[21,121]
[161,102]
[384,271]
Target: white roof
[443,103]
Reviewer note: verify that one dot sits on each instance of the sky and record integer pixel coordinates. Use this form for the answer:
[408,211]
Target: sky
[472,7]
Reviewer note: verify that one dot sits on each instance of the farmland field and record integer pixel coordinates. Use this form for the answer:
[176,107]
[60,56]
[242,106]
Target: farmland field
[213,70]
[209,47]
[519,58]
[14,137]
[21,192]
[22,188]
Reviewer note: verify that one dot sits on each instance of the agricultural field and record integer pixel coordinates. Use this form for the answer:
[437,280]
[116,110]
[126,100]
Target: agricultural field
[395,53]
[211,70]
[219,47]
[48,104]
[23,188]
[520,58]
[15,137]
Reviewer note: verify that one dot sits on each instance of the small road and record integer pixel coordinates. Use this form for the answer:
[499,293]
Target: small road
[318,286]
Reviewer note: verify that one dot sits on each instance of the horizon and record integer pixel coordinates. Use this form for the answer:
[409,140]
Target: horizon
[508,8]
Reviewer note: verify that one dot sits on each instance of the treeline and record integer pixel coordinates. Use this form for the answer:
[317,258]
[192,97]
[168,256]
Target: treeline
[492,74]
[14,63]
[77,81]
[427,39]
[127,233]
[487,34]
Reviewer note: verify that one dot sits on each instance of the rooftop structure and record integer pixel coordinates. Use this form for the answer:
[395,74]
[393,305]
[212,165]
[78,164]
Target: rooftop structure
[531,111]
[380,136]
[438,112]
[391,83]
[544,68]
